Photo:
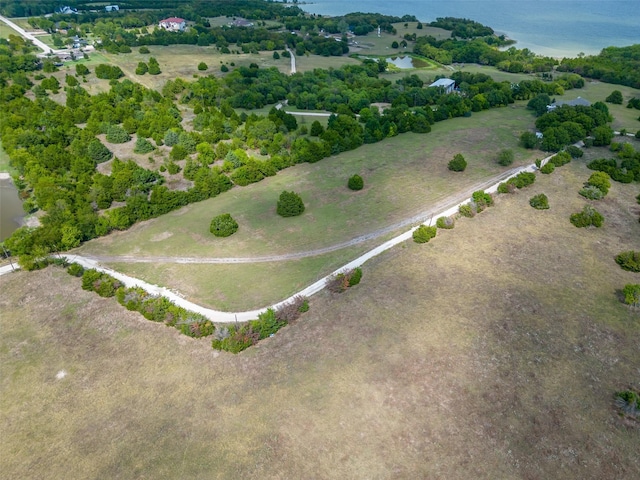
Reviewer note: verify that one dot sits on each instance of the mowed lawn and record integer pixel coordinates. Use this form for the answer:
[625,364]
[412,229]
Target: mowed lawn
[493,351]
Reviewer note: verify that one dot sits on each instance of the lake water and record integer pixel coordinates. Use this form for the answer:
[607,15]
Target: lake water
[10,208]
[557,28]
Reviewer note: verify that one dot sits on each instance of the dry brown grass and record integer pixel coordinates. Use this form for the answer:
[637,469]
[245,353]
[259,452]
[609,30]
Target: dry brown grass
[492,351]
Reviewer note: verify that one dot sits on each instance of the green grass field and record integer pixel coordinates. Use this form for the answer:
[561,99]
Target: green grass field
[5,31]
[403,176]
[493,351]
[240,287]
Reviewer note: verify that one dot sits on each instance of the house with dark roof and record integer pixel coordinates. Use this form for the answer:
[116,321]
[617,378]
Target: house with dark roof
[572,103]
[173,24]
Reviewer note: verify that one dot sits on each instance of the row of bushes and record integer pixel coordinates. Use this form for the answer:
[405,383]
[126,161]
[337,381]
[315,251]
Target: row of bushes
[523,179]
[237,338]
[152,307]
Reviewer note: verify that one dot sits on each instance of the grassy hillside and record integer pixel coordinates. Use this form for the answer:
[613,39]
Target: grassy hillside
[491,352]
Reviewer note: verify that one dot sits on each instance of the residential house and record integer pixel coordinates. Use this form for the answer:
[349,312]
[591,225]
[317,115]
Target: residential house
[173,24]
[446,83]
[572,103]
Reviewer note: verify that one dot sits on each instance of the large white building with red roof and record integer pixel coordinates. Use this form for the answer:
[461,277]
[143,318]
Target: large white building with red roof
[173,24]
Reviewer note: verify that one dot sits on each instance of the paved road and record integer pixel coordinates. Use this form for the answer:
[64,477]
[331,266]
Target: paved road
[40,44]
[293,60]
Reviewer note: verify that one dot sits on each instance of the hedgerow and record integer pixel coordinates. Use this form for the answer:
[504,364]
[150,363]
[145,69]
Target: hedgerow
[155,308]
[238,338]
[523,179]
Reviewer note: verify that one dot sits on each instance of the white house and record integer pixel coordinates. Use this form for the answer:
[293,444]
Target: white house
[173,24]
[66,10]
[446,83]
[111,8]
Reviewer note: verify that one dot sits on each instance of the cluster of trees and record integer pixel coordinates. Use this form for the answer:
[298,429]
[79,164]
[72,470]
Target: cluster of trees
[568,124]
[619,65]
[482,50]
[625,168]
[462,27]
[359,23]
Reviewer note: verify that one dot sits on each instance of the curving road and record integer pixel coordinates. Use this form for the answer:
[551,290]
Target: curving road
[230,317]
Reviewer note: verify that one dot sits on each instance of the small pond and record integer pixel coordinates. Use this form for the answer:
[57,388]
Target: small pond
[11,211]
[407,62]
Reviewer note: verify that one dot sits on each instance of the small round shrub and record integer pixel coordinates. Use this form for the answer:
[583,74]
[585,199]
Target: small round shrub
[632,294]
[539,202]
[458,164]
[600,180]
[356,182]
[548,168]
[223,225]
[506,187]
[575,152]
[290,204]
[592,193]
[615,97]
[202,66]
[144,49]
[224,68]
[117,134]
[423,234]
[505,157]
[178,152]
[629,260]
[355,277]
[467,210]
[523,179]
[446,223]
[75,269]
[482,200]
[560,159]
[98,152]
[173,168]
[587,217]
[143,146]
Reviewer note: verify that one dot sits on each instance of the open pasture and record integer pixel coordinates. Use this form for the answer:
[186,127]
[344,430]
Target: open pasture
[491,352]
